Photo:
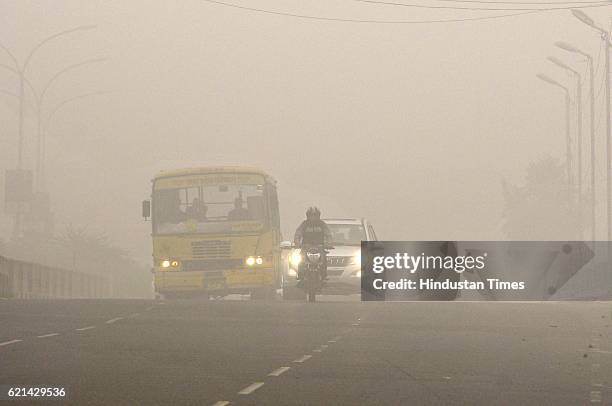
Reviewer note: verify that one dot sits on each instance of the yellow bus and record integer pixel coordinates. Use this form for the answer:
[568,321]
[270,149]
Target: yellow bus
[216,231]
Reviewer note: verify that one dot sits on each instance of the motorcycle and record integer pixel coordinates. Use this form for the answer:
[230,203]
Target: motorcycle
[312,266]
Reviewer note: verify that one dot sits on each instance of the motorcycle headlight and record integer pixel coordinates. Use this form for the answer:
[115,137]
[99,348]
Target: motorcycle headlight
[313,256]
[295,258]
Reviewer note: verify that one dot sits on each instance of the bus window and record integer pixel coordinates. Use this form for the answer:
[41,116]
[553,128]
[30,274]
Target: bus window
[255,207]
[207,208]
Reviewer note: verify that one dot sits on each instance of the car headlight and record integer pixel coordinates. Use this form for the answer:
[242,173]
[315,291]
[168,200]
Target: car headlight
[252,261]
[295,258]
[165,263]
[356,260]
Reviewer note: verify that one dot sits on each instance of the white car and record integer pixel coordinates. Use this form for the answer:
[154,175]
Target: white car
[343,261]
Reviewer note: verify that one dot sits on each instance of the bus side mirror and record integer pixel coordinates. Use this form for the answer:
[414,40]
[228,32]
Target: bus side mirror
[285,245]
[146,209]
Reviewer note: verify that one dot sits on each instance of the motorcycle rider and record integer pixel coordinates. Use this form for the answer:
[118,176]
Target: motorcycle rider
[313,232]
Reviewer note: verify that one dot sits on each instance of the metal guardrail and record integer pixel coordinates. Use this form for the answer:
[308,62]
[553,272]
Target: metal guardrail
[25,280]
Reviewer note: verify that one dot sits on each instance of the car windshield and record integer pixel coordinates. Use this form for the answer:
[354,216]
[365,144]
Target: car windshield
[347,234]
[206,208]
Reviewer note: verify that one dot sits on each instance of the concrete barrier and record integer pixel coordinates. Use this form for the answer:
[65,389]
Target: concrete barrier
[25,280]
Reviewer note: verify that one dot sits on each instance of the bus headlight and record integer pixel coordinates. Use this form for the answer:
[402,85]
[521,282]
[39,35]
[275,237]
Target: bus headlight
[295,258]
[252,261]
[167,263]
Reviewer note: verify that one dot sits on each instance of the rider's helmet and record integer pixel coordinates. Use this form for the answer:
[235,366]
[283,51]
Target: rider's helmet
[313,213]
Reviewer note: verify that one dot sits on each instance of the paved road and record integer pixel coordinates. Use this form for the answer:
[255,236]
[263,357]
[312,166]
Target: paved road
[257,353]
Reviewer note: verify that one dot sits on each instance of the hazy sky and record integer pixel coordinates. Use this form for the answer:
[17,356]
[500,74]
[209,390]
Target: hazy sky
[410,125]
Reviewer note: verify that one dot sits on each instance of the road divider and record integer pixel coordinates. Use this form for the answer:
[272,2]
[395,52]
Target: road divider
[26,280]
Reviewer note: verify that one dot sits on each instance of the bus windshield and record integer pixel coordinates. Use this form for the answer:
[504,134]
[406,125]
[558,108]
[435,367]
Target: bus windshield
[208,208]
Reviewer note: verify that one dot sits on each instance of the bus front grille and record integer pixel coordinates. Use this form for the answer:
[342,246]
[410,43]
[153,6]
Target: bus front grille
[212,264]
[206,249]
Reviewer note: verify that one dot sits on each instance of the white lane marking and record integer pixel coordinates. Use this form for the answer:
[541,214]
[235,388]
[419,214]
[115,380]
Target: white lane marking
[85,328]
[599,385]
[162,303]
[603,352]
[355,324]
[251,388]
[317,350]
[595,396]
[9,342]
[153,307]
[111,321]
[48,335]
[331,341]
[221,403]
[279,371]
[324,346]
[303,358]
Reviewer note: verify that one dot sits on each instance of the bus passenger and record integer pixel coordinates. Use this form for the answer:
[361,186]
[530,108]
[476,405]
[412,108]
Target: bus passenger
[238,213]
[197,210]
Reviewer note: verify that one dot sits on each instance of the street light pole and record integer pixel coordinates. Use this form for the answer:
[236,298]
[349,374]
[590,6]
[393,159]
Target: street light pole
[40,184]
[578,130]
[606,43]
[44,124]
[21,69]
[568,147]
[604,37]
[589,58]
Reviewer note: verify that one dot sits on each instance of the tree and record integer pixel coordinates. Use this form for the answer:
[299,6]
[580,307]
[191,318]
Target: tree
[540,209]
[89,247]
[94,252]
